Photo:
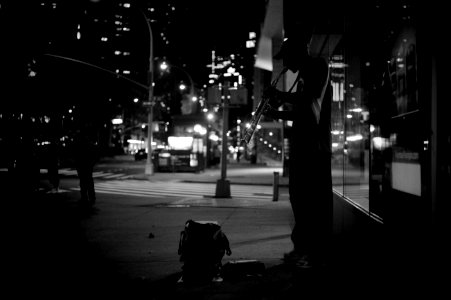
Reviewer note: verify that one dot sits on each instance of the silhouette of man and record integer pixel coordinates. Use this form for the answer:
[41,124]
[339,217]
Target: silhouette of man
[86,156]
[53,166]
[310,182]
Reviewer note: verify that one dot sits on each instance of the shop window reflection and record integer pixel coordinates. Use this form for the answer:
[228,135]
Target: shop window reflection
[375,110]
[337,125]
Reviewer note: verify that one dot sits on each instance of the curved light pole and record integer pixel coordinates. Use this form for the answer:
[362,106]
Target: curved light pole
[149,164]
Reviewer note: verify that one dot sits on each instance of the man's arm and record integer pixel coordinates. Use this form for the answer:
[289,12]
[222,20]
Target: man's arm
[279,114]
[278,98]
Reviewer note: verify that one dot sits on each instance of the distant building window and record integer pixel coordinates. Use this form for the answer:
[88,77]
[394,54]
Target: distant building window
[250,44]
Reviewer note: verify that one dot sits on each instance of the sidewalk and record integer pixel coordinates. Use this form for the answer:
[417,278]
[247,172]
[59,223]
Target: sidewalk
[128,248]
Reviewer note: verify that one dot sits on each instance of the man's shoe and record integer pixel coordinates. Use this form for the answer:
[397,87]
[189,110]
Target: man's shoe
[293,256]
[305,263]
[309,262]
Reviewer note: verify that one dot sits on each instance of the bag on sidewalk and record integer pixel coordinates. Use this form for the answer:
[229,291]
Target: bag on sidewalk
[202,246]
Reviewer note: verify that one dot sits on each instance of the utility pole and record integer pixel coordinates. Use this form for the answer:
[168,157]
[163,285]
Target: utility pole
[223,185]
[149,164]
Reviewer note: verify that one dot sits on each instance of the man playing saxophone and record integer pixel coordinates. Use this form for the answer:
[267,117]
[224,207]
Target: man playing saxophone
[262,106]
[310,183]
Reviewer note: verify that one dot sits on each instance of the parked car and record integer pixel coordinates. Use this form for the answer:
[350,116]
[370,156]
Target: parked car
[141,154]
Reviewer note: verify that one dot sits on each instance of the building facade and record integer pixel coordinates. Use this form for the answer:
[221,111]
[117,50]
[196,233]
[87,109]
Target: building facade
[390,133]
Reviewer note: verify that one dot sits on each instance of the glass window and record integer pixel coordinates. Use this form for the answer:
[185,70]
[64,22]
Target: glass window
[375,106]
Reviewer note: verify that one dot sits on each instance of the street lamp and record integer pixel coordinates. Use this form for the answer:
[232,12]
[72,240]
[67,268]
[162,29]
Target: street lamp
[149,164]
[149,170]
[222,184]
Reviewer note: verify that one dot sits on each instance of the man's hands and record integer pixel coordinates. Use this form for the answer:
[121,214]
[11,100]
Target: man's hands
[274,96]
[270,112]
[270,92]
[274,102]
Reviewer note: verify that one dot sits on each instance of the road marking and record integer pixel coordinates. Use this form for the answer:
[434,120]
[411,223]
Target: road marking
[179,189]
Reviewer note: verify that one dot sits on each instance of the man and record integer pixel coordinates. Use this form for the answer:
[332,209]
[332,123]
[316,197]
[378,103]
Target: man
[310,182]
[86,155]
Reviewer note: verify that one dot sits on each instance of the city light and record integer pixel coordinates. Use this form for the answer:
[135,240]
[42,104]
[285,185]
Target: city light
[200,129]
[117,121]
[164,66]
[355,137]
[214,137]
[180,142]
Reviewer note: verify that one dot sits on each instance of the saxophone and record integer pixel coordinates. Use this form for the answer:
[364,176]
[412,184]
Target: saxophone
[261,108]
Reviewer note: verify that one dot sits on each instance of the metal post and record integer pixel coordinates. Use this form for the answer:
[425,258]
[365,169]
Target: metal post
[223,185]
[225,126]
[275,196]
[149,164]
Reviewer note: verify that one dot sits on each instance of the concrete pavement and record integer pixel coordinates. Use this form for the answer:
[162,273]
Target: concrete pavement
[129,245]
[127,248]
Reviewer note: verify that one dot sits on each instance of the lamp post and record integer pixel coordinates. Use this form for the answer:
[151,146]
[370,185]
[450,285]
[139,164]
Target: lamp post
[222,184]
[149,164]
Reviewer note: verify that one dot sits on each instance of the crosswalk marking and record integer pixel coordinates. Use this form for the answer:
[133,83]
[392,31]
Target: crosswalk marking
[142,188]
[103,174]
[113,176]
[67,172]
[96,174]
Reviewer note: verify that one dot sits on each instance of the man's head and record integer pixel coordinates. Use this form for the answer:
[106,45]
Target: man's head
[293,52]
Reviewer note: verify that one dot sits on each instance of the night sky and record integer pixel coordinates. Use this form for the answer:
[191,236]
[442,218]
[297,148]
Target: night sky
[199,27]
[222,26]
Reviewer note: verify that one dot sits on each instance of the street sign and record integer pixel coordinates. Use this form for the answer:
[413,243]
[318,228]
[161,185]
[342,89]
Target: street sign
[238,96]
[214,95]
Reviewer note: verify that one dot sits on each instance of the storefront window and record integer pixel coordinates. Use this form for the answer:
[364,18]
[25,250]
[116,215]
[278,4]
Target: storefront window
[375,106]
[337,123]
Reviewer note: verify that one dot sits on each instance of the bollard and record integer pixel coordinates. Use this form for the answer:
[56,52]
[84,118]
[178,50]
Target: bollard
[275,196]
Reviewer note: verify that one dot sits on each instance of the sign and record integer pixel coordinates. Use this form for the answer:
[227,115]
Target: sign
[214,95]
[238,96]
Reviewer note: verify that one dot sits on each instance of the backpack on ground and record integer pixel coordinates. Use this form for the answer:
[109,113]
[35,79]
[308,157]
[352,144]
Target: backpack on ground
[201,248]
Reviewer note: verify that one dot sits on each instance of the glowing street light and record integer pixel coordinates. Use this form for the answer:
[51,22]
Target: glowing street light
[164,66]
